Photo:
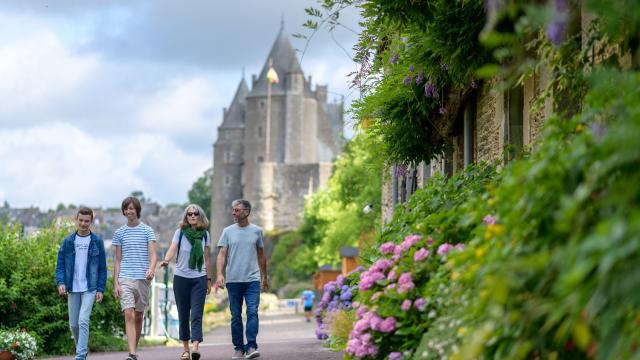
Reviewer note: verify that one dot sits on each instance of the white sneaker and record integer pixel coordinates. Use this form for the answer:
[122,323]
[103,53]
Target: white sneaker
[239,354]
[252,354]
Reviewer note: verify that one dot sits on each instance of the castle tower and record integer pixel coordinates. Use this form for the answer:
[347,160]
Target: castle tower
[228,156]
[304,137]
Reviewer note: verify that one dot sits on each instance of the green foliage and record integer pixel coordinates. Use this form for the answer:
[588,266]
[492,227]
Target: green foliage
[200,192]
[29,298]
[333,217]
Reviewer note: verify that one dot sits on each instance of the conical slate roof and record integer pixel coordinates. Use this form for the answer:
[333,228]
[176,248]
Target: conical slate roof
[234,116]
[284,61]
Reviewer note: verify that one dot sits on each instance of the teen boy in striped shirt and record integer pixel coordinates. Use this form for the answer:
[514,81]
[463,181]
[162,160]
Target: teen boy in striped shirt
[133,270]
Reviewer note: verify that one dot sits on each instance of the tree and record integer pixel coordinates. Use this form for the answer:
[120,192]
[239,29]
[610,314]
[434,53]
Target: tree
[200,192]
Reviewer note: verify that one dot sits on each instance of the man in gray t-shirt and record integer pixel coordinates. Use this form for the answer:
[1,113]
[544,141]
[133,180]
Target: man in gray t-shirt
[242,247]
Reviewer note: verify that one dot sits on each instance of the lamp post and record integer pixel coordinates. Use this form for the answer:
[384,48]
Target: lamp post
[272,77]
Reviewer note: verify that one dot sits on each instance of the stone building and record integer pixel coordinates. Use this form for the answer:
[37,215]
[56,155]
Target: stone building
[305,136]
[487,127]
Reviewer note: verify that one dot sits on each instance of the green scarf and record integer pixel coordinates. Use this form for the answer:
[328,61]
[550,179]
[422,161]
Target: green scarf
[196,258]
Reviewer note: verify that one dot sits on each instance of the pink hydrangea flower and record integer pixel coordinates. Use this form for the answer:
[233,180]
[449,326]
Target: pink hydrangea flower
[387,325]
[444,249]
[376,295]
[405,283]
[459,247]
[368,278]
[406,305]
[421,254]
[429,241]
[381,265]
[392,275]
[395,355]
[387,248]
[489,220]
[420,304]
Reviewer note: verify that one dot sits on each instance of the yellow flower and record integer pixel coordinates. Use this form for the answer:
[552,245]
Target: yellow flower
[462,331]
[480,252]
[580,128]
[455,275]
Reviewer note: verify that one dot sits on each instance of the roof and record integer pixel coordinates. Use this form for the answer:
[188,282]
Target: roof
[284,60]
[348,251]
[234,116]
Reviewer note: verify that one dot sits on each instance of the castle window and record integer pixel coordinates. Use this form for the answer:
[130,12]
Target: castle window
[260,159]
[259,132]
[227,180]
[227,157]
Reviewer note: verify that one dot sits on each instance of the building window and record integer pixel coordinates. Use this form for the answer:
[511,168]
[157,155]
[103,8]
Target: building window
[259,132]
[260,159]
[227,157]
[227,180]
[514,123]
[261,104]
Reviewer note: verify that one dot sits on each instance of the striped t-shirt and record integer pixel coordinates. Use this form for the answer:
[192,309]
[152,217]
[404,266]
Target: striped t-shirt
[135,250]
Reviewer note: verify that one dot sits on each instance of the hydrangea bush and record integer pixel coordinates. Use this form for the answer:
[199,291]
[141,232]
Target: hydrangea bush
[20,343]
[337,296]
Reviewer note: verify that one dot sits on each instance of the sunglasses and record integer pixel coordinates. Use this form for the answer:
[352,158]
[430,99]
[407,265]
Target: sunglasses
[193,213]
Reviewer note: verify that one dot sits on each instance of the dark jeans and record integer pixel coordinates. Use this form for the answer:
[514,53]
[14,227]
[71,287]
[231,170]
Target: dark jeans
[250,293]
[190,295]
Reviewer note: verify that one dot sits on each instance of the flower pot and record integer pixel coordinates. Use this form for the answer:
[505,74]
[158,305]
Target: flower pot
[6,355]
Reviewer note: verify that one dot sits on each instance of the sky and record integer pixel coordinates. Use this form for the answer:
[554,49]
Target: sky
[101,98]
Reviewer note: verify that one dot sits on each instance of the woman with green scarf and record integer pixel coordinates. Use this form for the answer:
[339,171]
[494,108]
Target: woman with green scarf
[191,280]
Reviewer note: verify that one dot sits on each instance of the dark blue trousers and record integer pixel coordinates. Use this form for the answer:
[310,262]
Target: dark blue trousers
[250,293]
[190,295]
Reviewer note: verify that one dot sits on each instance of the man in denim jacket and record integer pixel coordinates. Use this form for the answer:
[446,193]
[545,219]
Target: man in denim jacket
[81,275]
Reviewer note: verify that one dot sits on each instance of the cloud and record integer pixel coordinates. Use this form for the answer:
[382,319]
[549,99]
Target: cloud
[60,163]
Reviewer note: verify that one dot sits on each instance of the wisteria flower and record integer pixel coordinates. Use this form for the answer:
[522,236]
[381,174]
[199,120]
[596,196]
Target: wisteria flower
[411,68]
[442,111]
[407,80]
[419,78]
[394,58]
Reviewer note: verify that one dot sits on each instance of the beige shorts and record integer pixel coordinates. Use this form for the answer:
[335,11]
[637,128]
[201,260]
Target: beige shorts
[134,294]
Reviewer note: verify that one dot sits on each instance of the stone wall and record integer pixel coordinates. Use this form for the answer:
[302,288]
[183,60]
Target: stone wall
[489,123]
[282,190]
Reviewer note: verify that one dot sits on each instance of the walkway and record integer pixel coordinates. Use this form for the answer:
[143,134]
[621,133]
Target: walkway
[281,337]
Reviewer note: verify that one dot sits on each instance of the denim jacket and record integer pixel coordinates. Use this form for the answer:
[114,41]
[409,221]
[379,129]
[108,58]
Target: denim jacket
[96,264]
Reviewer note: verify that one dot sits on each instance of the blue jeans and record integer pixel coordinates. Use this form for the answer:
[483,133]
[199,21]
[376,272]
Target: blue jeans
[250,293]
[80,305]
[190,295]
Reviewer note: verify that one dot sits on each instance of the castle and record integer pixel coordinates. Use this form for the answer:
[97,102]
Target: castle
[304,137]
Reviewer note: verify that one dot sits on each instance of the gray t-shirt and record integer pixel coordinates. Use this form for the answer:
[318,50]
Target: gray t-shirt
[182,263]
[242,252]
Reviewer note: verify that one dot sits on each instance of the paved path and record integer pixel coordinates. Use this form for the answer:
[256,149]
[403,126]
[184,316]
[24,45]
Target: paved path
[281,337]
